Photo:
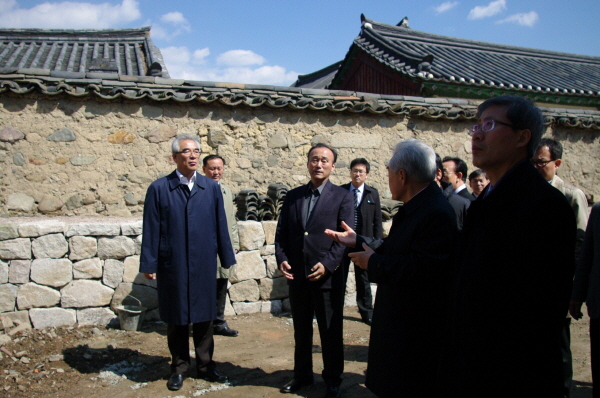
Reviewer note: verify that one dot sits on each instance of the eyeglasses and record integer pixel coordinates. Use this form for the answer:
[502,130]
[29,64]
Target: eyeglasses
[487,125]
[359,172]
[188,152]
[541,163]
[447,172]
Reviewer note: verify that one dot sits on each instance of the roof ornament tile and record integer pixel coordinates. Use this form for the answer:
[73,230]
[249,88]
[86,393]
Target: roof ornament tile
[403,23]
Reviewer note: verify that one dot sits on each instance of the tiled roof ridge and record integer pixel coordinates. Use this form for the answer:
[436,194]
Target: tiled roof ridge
[78,33]
[477,44]
[110,86]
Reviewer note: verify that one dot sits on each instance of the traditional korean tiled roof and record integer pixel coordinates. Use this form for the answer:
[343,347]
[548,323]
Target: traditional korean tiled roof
[448,66]
[80,53]
[135,88]
[319,79]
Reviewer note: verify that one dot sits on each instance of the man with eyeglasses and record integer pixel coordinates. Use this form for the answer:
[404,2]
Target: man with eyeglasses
[516,266]
[367,222]
[185,229]
[547,160]
[311,264]
[213,166]
[455,172]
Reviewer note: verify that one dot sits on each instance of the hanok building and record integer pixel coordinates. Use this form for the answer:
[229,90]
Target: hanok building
[397,60]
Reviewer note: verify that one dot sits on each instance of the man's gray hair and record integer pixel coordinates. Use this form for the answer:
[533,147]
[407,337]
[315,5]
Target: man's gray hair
[175,147]
[416,158]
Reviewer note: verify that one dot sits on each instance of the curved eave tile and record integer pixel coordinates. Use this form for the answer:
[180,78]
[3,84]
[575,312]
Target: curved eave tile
[255,96]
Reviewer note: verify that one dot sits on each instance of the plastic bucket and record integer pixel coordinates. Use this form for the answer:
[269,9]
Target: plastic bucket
[131,316]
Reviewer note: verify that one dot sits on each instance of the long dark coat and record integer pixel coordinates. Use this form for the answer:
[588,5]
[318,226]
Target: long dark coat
[182,236]
[512,292]
[412,268]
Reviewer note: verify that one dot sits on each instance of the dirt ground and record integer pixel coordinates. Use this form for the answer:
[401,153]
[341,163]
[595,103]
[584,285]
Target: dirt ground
[104,362]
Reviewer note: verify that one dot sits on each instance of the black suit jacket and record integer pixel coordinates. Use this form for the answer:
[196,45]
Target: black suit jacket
[370,209]
[512,292]
[303,247]
[412,267]
[465,194]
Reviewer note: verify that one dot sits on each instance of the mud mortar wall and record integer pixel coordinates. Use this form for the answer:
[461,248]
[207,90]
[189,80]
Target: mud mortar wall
[92,157]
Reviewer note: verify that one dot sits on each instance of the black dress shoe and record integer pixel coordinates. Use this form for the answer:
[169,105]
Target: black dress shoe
[333,392]
[213,376]
[225,331]
[175,382]
[295,385]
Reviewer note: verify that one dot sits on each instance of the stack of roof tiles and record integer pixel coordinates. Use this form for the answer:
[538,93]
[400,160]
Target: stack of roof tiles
[389,208]
[247,205]
[252,206]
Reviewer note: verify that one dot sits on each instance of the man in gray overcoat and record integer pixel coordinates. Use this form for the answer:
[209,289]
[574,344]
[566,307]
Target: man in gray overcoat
[185,229]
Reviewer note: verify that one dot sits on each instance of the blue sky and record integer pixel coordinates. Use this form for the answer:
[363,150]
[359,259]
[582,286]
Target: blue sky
[272,41]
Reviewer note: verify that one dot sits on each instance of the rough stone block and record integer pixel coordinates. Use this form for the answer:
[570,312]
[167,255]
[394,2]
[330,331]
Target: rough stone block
[15,249]
[63,135]
[115,247]
[32,295]
[285,305]
[245,291]
[50,246]
[93,229]
[272,307]
[19,271]
[138,244]
[8,231]
[352,140]
[131,267]
[269,227]
[146,294]
[51,272]
[113,272]
[247,308]
[229,311]
[20,202]
[252,235]
[18,318]
[162,133]
[272,289]
[95,316]
[50,205]
[3,272]
[90,268]
[250,265]
[267,250]
[82,247]
[85,293]
[52,317]
[272,267]
[132,228]
[41,227]
[8,297]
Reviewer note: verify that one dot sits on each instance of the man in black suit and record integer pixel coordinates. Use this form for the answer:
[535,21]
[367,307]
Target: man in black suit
[412,268]
[367,222]
[515,267]
[455,172]
[459,203]
[311,264]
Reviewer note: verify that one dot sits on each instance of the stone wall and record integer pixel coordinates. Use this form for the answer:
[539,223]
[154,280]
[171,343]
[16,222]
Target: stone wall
[76,271]
[69,156]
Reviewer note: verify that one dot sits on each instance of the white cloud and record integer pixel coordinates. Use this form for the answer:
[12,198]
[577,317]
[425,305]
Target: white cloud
[199,57]
[185,64]
[68,15]
[487,11]
[176,18]
[524,19]
[445,7]
[240,58]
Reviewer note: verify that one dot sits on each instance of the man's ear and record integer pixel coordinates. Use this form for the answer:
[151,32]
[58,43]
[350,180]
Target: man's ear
[557,163]
[524,138]
[459,175]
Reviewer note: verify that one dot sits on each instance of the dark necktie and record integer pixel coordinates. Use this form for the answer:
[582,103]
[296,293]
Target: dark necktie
[356,211]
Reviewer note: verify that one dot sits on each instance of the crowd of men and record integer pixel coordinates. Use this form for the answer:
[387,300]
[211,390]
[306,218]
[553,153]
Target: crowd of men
[473,289]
